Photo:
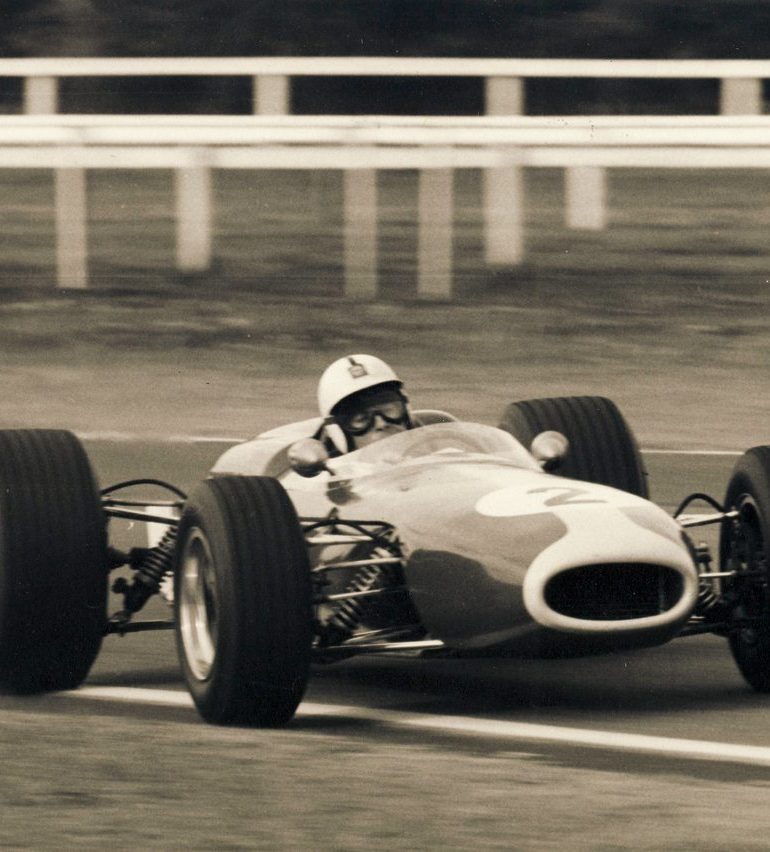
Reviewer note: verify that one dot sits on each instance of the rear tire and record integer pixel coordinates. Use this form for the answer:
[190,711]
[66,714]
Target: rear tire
[53,574]
[745,546]
[602,447]
[243,601]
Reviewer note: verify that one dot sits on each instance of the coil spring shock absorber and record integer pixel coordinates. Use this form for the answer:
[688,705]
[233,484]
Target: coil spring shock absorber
[348,614]
[708,595]
[151,567]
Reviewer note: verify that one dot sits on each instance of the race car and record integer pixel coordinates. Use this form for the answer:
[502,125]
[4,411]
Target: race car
[532,538]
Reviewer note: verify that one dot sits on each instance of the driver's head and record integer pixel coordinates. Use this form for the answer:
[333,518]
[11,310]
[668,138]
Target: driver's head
[362,395]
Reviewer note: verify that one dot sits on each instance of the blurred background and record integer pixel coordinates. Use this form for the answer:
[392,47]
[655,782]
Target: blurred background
[665,308]
[620,29]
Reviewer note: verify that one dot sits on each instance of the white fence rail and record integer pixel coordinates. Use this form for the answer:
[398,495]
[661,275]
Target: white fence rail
[740,79]
[193,146]
[442,147]
[733,131]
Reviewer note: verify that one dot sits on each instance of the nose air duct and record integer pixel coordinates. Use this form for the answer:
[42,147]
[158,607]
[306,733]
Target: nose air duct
[616,591]
[635,579]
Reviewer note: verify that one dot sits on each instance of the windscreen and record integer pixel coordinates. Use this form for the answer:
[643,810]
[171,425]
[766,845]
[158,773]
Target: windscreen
[445,439]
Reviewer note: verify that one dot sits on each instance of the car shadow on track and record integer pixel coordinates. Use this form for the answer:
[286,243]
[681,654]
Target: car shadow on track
[677,678]
[166,676]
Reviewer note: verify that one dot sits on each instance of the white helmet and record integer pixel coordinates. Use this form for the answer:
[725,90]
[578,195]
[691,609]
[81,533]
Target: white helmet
[350,375]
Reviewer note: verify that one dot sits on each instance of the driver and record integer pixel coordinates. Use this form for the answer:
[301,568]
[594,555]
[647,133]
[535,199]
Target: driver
[361,395]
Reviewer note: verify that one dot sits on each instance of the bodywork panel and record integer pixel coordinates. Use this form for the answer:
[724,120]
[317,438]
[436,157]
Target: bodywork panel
[489,539]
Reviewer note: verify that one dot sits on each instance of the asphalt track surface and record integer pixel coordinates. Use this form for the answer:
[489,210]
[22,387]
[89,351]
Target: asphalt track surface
[679,712]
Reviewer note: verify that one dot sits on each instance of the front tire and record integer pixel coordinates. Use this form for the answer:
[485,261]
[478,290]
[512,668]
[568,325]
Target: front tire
[745,547]
[53,574]
[602,447]
[243,601]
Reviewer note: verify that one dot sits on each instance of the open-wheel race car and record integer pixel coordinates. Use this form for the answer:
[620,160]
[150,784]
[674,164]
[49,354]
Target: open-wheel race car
[535,538]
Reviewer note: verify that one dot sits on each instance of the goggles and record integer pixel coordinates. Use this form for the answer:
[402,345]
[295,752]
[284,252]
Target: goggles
[361,420]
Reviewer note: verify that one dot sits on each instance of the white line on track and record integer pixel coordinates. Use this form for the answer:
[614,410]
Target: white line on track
[126,437]
[691,452]
[490,728]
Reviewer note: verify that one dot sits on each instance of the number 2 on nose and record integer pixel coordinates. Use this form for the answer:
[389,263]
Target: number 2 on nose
[566,496]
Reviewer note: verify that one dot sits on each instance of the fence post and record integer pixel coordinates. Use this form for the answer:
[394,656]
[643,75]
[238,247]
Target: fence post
[503,188]
[586,201]
[434,242]
[271,95]
[741,96]
[41,95]
[193,217]
[71,239]
[504,95]
[504,214]
[360,236]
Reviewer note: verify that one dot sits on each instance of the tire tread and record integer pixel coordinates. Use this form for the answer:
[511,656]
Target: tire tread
[602,447]
[262,675]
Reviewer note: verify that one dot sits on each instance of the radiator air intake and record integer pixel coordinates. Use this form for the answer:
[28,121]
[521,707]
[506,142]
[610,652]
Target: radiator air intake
[616,591]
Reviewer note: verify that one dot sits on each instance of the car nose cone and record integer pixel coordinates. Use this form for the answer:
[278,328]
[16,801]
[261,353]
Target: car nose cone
[618,570]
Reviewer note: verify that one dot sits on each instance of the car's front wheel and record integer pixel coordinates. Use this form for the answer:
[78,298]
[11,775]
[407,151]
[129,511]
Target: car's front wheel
[602,448]
[53,565]
[243,601]
[745,549]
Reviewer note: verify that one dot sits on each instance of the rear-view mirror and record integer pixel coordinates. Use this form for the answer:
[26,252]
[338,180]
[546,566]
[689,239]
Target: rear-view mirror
[549,448]
[308,457]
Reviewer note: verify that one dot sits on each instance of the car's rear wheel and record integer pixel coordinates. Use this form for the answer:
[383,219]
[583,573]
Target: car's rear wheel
[602,447]
[243,601]
[745,548]
[53,575]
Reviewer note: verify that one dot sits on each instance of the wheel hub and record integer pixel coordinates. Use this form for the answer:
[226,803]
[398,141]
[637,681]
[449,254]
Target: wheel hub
[197,611]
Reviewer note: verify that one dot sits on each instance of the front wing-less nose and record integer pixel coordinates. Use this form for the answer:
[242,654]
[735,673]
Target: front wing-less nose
[635,579]
[542,567]
[616,591]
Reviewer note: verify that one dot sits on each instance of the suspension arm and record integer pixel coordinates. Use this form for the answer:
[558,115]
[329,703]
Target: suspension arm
[346,649]
[133,515]
[688,521]
[366,593]
[359,563]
